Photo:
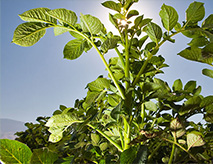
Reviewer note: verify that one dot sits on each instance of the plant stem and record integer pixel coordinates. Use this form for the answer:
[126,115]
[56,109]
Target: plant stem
[120,57]
[155,150]
[165,139]
[107,137]
[120,90]
[172,154]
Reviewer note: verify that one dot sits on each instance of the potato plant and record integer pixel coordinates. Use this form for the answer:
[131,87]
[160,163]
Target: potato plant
[130,116]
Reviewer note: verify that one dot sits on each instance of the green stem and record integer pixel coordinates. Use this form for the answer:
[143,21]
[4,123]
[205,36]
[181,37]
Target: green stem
[120,90]
[107,137]
[143,112]
[165,139]
[120,57]
[172,154]
[142,70]
[155,150]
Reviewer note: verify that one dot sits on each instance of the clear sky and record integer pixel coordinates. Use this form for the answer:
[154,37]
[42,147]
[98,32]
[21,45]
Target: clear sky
[36,80]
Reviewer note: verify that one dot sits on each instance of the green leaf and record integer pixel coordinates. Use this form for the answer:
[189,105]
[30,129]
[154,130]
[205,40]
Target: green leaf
[209,117]
[12,151]
[127,156]
[208,72]
[190,105]
[199,41]
[59,30]
[116,112]
[132,13]
[194,139]
[113,20]
[113,99]
[110,43]
[74,49]
[190,86]
[63,15]
[192,53]
[27,34]
[195,12]
[103,146]
[145,22]
[91,24]
[177,128]
[208,22]
[43,155]
[151,106]
[178,85]
[95,139]
[169,17]
[142,154]
[138,20]
[37,15]
[62,120]
[112,5]
[76,35]
[206,101]
[99,84]
[154,32]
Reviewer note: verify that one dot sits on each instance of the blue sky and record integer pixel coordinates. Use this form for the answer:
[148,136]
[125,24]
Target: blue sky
[36,80]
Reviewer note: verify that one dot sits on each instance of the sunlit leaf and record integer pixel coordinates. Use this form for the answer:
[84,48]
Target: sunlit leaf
[132,13]
[43,155]
[38,15]
[195,12]
[12,151]
[27,34]
[55,137]
[177,128]
[110,43]
[151,106]
[99,84]
[169,17]
[74,49]
[91,24]
[95,139]
[112,5]
[153,31]
[63,15]
[194,139]
[59,30]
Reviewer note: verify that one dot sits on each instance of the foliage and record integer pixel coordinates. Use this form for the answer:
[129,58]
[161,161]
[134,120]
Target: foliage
[131,116]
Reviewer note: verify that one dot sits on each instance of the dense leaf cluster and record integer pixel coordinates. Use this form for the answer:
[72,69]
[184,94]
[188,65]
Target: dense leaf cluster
[131,116]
